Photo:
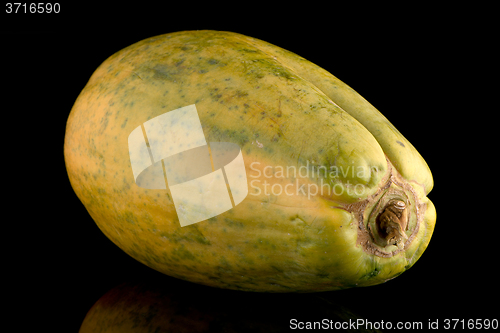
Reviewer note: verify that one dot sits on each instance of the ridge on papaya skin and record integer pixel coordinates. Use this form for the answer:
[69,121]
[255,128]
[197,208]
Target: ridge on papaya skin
[279,110]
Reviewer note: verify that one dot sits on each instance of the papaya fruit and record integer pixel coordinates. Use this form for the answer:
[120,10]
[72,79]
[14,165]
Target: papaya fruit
[224,160]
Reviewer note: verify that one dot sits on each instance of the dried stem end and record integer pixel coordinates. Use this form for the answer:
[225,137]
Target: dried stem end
[392,223]
[389,220]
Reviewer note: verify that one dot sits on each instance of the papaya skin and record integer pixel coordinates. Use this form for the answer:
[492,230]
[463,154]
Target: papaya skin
[258,96]
[399,150]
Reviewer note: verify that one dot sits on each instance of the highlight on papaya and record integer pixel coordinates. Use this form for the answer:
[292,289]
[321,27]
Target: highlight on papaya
[227,161]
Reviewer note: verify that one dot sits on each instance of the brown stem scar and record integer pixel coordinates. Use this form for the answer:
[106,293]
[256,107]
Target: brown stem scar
[392,223]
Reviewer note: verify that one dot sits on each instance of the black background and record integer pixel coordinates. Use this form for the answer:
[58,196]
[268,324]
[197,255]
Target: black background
[426,69]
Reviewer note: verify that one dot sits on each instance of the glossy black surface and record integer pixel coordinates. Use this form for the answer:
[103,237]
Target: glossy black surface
[58,262]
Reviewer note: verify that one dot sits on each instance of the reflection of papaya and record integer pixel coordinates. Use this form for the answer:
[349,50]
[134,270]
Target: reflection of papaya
[179,306]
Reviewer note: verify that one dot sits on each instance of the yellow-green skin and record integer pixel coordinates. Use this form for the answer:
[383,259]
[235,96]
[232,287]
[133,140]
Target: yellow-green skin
[282,111]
